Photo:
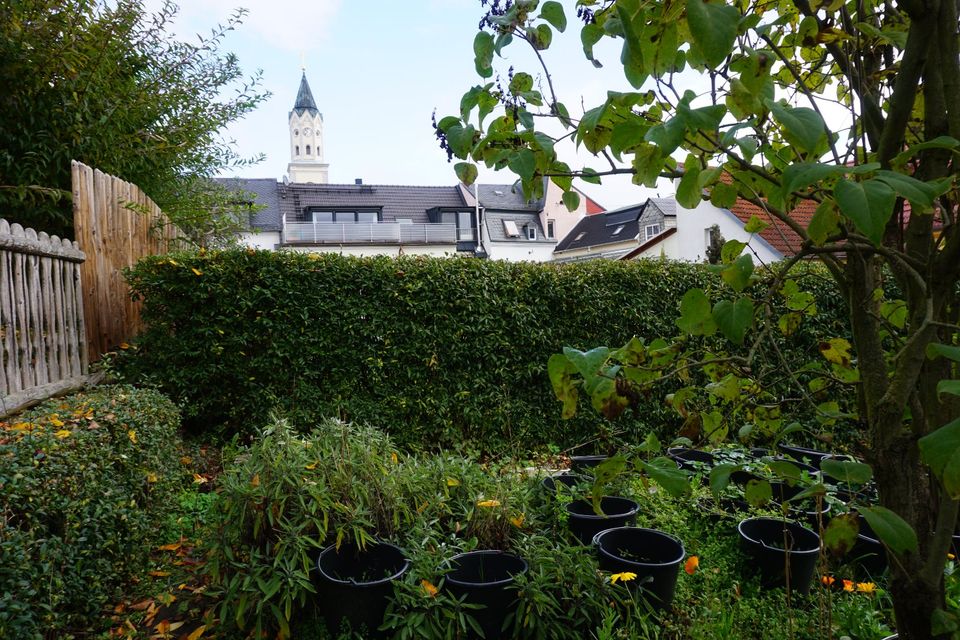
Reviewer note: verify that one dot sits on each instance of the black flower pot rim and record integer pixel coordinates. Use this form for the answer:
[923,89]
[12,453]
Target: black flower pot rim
[779,521]
[364,583]
[656,532]
[597,458]
[634,508]
[451,563]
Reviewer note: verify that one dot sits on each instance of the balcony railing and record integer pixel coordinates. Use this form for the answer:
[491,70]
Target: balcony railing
[369,233]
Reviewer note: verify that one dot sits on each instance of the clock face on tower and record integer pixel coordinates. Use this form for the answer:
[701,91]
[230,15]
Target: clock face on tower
[307,131]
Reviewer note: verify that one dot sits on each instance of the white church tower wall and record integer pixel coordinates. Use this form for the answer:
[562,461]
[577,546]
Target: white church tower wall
[306,139]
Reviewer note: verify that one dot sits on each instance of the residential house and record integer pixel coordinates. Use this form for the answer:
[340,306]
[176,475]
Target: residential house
[613,234]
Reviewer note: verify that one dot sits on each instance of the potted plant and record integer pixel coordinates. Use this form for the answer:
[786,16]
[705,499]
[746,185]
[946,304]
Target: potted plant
[784,552]
[652,555]
[585,521]
[486,578]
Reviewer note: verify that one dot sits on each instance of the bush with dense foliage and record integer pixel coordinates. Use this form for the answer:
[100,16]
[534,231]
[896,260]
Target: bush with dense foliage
[83,484]
[439,352]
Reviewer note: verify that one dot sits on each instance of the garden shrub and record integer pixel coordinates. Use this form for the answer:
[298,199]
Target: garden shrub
[440,352]
[83,484]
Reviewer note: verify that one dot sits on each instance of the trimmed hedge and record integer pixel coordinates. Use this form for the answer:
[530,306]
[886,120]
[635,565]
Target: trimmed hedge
[440,352]
[83,484]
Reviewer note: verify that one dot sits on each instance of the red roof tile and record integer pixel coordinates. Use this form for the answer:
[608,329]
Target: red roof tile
[778,234]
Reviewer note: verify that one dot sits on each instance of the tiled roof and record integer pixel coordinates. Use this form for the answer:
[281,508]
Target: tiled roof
[497,233]
[657,239]
[505,197]
[265,194]
[395,201]
[305,101]
[778,235]
[596,230]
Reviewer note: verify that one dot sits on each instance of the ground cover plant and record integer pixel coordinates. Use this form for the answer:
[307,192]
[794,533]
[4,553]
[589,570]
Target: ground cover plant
[85,482]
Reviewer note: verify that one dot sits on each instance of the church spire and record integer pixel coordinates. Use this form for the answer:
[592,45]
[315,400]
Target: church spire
[305,102]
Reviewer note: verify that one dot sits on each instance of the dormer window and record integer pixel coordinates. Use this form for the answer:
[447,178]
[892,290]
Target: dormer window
[510,228]
[651,230]
[580,236]
[617,231]
[531,233]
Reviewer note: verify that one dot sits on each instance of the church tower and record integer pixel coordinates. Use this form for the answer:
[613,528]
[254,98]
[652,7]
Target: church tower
[306,138]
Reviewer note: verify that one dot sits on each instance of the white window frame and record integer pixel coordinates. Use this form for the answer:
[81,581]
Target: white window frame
[531,233]
[510,228]
[551,229]
[646,230]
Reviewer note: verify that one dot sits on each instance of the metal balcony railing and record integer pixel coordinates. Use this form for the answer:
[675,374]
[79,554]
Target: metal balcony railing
[369,233]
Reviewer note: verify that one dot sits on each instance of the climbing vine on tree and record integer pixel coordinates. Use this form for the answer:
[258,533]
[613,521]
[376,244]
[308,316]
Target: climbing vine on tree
[851,106]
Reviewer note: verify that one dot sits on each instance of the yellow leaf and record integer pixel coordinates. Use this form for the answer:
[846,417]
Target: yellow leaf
[186,460]
[55,420]
[169,547]
[255,481]
[197,632]
[488,504]
[152,477]
[196,271]
[22,426]
[517,521]
[166,599]
[453,482]
[394,458]
[132,435]
[124,345]
[63,433]
[158,574]
[837,351]
[311,466]
[198,479]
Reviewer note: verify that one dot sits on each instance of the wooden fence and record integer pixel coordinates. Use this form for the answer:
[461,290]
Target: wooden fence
[115,224]
[41,313]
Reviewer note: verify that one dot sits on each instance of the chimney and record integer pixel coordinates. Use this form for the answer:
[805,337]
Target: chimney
[358,181]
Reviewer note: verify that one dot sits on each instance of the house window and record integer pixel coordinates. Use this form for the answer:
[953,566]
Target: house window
[551,230]
[651,230]
[510,228]
[323,216]
[296,150]
[404,220]
[308,149]
[617,231]
[580,236]
[346,217]
[465,232]
[531,233]
[366,216]
[706,237]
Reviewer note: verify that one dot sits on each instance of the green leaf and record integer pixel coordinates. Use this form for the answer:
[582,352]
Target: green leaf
[737,275]
[571,200]
[541,37]
[590,35]
[800,175]
[942,623]
[948,386]
[695,315]
[603,474]
[483,54]
[723,195]
[561,371]
[664,472]
[867,204]
[587,363]
[785,469]
[523,163]
[606,399]
[941,451]
[841,534]
[893,531]
[803,127]
[920,194]
[552,12]
[720,476]
[734,319]
[755,225]
[466,172]
[713,28]
[731,250]
[837,351]
[688,191]
[847,471]
[936,350]
[824,224]
[758,493]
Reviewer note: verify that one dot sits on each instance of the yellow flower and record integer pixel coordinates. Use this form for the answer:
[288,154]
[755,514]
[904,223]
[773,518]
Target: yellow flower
[55,420]
[517,521]
[848,585]
[866,587]
[488,504]
[394,458]
[132,435]
[152,477]
[625,576]
[453,482]
[63,433]
[198,479]
[429,588]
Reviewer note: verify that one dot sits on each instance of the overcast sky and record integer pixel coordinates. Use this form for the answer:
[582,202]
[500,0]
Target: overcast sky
[378,69]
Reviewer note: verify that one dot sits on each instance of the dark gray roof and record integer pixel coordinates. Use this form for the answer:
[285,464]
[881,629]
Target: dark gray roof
[395,201]
[265,193]
[667,205]
[601,228]
[505,197]
[305,100]
[497,233]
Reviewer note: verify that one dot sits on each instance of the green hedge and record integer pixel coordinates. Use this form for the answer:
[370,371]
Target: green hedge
[83,484]
[439,352]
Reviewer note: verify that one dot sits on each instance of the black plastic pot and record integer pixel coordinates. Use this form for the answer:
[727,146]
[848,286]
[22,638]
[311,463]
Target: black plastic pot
[355,584]
[550,484]
[653,555]
[778,547]
[805,510]
[585,523]
[585,464]
[688,459]
[485,578]
[804,454]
